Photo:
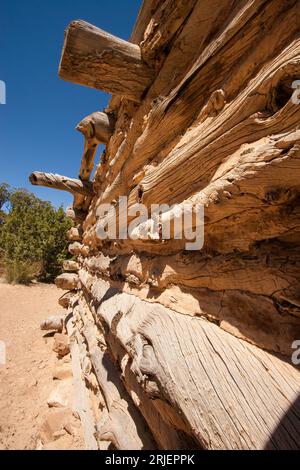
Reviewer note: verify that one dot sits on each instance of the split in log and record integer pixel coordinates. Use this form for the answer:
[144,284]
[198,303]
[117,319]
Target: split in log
[96,59]
[67,281]
[97,128]
[51,180]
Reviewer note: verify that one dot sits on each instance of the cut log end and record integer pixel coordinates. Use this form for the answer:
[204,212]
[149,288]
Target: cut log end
[94,58]
[67,281]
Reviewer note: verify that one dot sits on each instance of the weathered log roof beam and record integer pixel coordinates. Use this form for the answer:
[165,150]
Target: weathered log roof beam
[51,180]
[97,59]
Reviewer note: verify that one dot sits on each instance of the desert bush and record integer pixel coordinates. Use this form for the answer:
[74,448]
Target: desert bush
[20,272]
[33,238]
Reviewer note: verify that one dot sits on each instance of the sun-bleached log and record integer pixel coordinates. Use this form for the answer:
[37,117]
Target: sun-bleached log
[76,215]
[121,413]
[55,322]
[213,380]
[96,128]
[75,234]
[52,180]
[82,404]
[97,59]
[65,300]
[75,248]
[67,281]
[70,265]
[201,344]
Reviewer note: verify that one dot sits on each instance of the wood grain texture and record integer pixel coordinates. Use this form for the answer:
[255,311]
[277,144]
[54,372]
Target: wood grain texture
[221,382]
[97,59]
[192,350]
[51,180]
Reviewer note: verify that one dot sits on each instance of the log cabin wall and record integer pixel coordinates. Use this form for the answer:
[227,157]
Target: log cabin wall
[178,349]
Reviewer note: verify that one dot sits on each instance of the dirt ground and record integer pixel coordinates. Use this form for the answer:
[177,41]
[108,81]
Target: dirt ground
[26,378]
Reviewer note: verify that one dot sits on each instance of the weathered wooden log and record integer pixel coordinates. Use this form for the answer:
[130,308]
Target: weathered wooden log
[197,339]
[70,265]
[215,380]
[97,128]
[224,288]
[75,234]
[51,180]
[82,404]
[67,281]
[53,323]
[121,413]
[94,58]
[76,215]
[65,299]
[75,248]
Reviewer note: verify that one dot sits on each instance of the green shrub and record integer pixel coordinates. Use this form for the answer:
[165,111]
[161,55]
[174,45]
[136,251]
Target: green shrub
[33,238]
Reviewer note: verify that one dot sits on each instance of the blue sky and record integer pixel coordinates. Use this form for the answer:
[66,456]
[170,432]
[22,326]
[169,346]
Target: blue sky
[37,124]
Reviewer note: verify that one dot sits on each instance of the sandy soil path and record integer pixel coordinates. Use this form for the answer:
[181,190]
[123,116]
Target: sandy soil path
[25,379]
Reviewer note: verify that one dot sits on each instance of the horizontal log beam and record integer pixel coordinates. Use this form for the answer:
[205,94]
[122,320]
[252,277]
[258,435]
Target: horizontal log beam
[221,382]
[96,59]
[51,180]
[75,248]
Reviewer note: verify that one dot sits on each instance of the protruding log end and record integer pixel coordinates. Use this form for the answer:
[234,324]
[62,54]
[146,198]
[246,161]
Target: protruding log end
[70,265]
[33,179]
[53,323]
[51,180]
[77,249]
[75,234]
[65,299]
[97,126]
[76,215]
[67,281]
[94,58]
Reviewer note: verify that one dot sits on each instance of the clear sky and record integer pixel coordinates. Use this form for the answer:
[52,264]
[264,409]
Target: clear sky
[37,123]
